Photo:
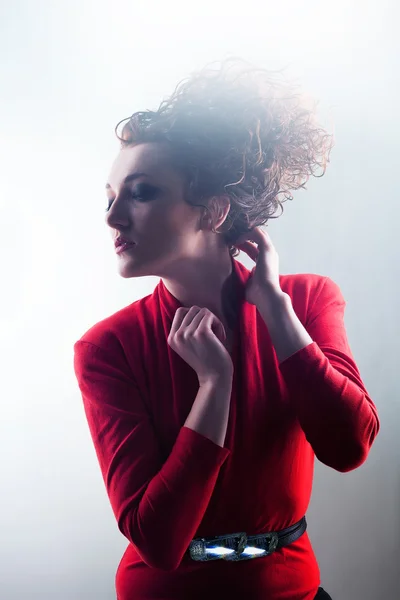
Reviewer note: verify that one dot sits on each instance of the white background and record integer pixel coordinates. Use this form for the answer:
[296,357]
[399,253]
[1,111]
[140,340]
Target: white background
[69,72]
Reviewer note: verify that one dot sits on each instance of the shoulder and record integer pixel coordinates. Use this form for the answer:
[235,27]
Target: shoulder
[311,292]
[308,282]
[115,332]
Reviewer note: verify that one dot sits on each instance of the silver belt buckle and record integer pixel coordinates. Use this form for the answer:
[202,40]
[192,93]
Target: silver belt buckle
[227,547]
[267,542]
[233,547]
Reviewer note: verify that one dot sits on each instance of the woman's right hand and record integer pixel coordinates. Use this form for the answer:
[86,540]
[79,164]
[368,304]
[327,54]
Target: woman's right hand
[197,335]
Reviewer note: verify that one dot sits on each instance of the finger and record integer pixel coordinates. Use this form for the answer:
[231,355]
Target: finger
[195,313]
[211,321]
[260,237]
[180,314]
[192,321]
[250,250]
[256,235]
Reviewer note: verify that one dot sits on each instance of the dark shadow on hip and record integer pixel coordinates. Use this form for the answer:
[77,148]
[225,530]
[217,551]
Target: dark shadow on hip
[322,595]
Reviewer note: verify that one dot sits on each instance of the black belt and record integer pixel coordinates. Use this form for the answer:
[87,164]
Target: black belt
[240,546]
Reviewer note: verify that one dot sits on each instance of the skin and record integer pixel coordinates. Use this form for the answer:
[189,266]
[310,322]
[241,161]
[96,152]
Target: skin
[173,239]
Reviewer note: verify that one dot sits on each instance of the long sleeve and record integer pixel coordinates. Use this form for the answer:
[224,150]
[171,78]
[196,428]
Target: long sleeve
[334,409]
[158,505]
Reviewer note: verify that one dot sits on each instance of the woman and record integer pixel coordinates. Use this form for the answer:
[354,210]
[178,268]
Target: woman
[208,399]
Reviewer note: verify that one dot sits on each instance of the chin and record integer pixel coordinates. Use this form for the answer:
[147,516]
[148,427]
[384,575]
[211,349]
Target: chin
[148,267]
[128,270]
[127,273]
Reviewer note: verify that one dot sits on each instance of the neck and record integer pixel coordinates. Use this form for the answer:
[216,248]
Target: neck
[205,283]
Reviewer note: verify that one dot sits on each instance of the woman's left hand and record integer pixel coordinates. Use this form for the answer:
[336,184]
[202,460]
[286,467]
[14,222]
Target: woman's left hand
[264,279]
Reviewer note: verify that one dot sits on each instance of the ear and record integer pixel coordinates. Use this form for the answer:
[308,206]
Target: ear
[219,207]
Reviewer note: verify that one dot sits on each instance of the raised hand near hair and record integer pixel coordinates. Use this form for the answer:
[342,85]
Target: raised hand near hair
[197,335]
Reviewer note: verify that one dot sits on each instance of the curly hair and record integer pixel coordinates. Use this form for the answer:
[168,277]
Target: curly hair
[239,131]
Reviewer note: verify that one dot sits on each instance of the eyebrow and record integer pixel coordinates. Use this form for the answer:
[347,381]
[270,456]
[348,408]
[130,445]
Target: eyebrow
[129,178]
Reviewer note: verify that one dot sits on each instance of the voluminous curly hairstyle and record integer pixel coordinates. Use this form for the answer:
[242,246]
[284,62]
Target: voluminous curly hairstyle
[239,131]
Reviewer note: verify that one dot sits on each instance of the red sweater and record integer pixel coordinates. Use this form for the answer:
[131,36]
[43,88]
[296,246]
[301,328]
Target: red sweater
[168,484]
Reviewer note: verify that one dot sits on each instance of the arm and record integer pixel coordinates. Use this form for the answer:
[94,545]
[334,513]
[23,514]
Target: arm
[333,407]
[158,506]
[210,412]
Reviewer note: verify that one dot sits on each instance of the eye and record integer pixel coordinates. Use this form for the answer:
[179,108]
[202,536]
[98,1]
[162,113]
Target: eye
[143,192]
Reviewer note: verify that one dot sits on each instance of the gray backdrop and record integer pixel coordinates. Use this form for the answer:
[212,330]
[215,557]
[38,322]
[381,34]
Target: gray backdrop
[70,71]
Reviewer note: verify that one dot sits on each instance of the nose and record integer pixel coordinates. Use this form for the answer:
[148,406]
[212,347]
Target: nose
[116,217]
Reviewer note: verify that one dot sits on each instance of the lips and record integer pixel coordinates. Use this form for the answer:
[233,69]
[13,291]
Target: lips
[122,240]
[123,247]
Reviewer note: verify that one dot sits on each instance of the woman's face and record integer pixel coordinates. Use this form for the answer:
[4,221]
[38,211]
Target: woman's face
[149,209]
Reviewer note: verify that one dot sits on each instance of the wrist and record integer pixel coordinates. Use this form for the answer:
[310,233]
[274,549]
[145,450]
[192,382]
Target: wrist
[217,379]
[272,298]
